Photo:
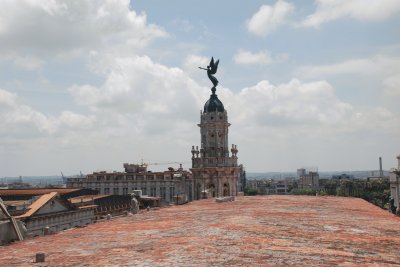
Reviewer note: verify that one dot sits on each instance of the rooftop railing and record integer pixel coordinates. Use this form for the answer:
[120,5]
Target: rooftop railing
[214,162]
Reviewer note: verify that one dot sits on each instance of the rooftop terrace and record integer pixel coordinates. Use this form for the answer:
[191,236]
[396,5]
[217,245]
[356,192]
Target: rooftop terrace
[267,230]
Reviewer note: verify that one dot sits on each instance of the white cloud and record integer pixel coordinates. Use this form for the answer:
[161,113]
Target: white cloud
[248,58]
[378,65]
[372,10]
[70,120]
[63,28]
[381,71]
[28,63]
[192,62]
[299,123]
[154,114]
[293,103]
[133,106]
[153,100]
[183,25]
[268,18]
[287,110]
[17,118]
[392,85]
[154,92]
[7,99]
[372,119]
[14,115]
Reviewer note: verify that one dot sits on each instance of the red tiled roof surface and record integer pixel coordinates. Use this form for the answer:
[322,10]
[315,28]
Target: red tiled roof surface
[40,202]
[251,231]
[35,191]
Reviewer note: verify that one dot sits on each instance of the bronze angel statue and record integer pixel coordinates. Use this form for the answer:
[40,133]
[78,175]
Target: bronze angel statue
[211,70]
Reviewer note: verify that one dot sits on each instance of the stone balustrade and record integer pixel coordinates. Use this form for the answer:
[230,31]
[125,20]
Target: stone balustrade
[214,162]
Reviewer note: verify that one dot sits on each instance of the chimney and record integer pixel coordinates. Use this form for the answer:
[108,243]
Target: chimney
[398,160]
[380,167]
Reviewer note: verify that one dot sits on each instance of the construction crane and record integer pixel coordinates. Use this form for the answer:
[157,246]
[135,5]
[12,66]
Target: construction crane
[162,163]
[64,179]
[145,164]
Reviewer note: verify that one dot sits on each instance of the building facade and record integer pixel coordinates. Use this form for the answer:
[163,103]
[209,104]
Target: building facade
[395,186]
[166,185]
[270,186]
[215,170]
[308,180]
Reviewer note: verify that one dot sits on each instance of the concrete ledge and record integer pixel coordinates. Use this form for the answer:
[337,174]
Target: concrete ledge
[225,199]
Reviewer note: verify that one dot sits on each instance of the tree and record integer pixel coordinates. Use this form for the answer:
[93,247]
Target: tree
[248,191]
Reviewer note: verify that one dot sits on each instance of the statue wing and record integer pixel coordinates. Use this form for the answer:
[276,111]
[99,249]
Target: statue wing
[211,63]
[213,66]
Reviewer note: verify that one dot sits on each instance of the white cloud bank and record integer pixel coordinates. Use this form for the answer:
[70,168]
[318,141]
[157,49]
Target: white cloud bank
[262,57]
[42,29]
[292,103]
[268,18]
[138,85]
[19,119]
[146,109]
[382,67]
[371,10]
[392,85]
[374,65]
[149,110]
[248,58]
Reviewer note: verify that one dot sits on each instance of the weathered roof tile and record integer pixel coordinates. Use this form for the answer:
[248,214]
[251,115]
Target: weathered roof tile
[260,231]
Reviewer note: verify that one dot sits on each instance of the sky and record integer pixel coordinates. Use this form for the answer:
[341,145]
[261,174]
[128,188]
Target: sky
[88,85]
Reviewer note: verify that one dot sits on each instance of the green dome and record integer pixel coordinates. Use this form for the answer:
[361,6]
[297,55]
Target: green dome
[213,104]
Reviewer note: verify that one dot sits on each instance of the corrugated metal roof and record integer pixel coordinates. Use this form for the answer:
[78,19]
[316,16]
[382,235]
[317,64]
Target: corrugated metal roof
[87,207]
[16,202]
[36,191]
[86,198]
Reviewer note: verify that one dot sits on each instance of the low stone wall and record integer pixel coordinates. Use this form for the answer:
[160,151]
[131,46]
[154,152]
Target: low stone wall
[60,221]
[225,199]
[7,232]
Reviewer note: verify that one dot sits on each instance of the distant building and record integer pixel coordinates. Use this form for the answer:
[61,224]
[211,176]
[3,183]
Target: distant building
[308,180]
[343,176]
[281,187]
[215,171]
[166,185]
[18,185]
[301,172]
[395,186]
[271,186]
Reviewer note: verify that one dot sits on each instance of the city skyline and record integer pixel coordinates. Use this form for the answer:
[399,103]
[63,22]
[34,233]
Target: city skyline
[87,86]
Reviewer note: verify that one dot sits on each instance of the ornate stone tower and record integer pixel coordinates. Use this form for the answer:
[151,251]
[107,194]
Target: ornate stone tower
[215,172]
